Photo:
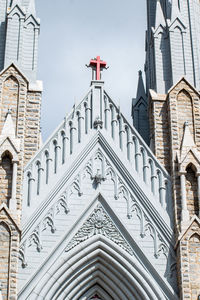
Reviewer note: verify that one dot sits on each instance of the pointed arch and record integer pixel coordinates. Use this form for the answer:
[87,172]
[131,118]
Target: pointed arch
[5,243]
[194,258]
[97,262]
[6,170]
[29,46]
[192,190]
[195,237]
[10,91]
[185,112]
[180,59]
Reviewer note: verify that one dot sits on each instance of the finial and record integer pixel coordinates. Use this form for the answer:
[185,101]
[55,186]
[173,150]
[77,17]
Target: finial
[186,124]
[140,73]
[9,111]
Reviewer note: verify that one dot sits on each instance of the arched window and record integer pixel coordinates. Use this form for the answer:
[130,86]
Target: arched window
[5,237]
[29,190]
[55,156]
[185,113]
[10,91]
[192,190]
[47,166]
[63,146]
[39,169]
[6,171]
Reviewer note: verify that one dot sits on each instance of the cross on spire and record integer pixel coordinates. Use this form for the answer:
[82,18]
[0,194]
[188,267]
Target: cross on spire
[98,65]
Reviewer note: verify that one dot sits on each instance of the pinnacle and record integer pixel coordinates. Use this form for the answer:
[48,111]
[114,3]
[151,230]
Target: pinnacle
[140,90]
[8,128]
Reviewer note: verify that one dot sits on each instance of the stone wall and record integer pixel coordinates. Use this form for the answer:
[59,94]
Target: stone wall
[24,104]
[168,114]
[189,263]
[9,245]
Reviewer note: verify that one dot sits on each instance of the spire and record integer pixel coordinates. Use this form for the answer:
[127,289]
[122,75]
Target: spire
[31,8]
[140,89]
[160,19]
[8,127]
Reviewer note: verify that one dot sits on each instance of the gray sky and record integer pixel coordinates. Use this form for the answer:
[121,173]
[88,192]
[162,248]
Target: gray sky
[73,32]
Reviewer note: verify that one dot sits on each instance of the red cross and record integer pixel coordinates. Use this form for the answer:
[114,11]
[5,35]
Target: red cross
[99,64]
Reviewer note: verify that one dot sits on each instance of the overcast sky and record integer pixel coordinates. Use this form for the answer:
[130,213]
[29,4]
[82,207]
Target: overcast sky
[73,32]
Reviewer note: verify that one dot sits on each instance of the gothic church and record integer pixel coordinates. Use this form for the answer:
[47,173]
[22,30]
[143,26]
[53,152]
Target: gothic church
[103,209]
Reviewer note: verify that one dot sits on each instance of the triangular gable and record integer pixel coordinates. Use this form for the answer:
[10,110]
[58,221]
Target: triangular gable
[192,156]
[11,145]
[194,220]
[16,9]
[187,82]
[4,210]
[98,225]
[176,23]
[17,69]
[31,19]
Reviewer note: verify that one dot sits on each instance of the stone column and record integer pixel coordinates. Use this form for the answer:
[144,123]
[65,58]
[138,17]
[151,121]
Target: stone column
[184,212]
[13,204]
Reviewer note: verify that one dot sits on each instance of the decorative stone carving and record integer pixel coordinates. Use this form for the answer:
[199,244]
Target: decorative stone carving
[76,185]
[22,255]
[35,239]
[98,123]
[49,221]
[98,178]
[62,203]
[147,227]
[99,222]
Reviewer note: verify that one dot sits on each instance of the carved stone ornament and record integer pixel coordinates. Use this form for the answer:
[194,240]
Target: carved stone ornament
[98,123]
[100,223]
[98,178]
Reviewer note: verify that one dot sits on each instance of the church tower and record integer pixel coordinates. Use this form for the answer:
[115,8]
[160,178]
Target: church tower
[20,101]
[172,82]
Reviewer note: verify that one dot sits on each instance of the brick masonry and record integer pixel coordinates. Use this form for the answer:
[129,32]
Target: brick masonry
[168,113]
[25,106]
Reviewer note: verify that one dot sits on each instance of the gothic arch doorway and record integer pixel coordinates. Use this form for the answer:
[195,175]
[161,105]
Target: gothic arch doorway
[97,267]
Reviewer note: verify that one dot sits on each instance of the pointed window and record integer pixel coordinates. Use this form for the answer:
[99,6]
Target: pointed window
[5,238]
[6,178]
[194,268]
[192,190]
[47,166]
[29,47]
[29,190]
[39,169]
[55,156]
[185,113]
[63,146]
[10,91]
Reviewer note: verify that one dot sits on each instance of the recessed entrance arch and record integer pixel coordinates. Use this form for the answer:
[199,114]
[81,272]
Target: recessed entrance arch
[97,265]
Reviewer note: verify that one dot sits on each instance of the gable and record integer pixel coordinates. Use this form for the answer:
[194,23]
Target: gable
[95,151]
[97,236]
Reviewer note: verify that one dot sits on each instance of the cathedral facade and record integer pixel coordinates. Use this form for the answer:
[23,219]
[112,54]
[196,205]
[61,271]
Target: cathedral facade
[103,209]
